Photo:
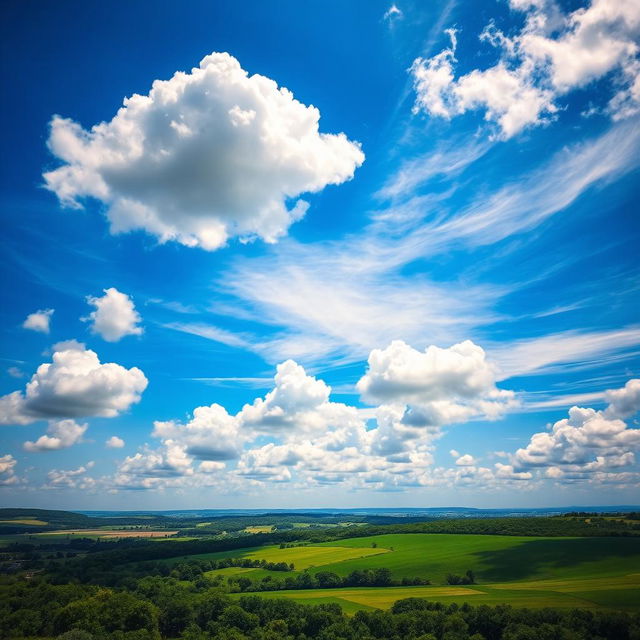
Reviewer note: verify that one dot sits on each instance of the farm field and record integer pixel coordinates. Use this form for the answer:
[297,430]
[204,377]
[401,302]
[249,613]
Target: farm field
[492,558]
[27,521]
[521,571]
[260,529]
[303,557]
[621,593]
[108,533]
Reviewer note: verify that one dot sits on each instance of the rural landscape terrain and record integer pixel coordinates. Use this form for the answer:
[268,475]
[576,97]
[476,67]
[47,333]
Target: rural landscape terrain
[320,574]
[320,320]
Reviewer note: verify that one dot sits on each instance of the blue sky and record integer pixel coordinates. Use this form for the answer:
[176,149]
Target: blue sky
[320,254]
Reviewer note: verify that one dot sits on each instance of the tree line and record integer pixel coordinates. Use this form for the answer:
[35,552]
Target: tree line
[154,608]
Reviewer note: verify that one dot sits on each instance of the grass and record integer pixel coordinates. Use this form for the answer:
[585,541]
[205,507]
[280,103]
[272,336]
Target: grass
[495,558]
[304,557]
[601,593]
[107,533]
[521,571]
[29,521]
[260,529]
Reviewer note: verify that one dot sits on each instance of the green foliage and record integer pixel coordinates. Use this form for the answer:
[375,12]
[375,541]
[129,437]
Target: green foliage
[163,607]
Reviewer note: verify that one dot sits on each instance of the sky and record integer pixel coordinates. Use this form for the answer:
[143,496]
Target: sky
[320,254]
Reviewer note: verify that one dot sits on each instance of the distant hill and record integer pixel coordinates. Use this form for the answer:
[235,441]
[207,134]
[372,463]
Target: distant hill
[32,520]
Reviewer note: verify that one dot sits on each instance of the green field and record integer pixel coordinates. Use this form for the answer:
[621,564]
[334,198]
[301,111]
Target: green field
[611,593]
[522,571]
[304,557]
[268,528]
[497,558]
[492,558]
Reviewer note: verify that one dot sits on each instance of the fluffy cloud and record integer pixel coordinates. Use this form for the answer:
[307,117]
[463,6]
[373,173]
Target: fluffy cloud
[61,434]
[578,439]
[205,156]
[441,386]
[7,470]
[75,384]
[467,460]
[115,316]
[624,402]
[296,434]
[71,478]
[212,434]
[39,321]
[552,55]
[586,442]
[114,442]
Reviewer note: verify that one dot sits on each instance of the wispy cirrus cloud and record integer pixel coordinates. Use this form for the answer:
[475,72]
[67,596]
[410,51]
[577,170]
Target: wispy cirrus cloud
[343,298]
[581,349]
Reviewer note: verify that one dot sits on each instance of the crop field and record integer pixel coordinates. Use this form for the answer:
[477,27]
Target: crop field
[622,593]
[260,529]
[109,533]
[28,521]
[522,571]
[497,558]
[304,557]
[492,558]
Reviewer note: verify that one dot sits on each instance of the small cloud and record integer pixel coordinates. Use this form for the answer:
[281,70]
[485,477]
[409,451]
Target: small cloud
[68,345]
[74,384]
[393,13]
[115,316]
[454,454]
[14,372]
[115,443]
[38,321]
[61,434]
[466,460]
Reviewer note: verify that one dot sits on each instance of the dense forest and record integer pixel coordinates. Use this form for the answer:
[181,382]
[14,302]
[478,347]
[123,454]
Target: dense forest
[152,608]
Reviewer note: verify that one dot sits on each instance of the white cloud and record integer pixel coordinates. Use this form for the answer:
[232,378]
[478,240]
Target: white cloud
[544,192]
[61,434]
[437,163]
[342,301]
[392,13]
[75,384]
[581,349]
[442,386]
[339,300]
[114,442]
[552,55]
[467,460]
[624,402]
[39,320]
[212,434]
[115,316]
[8,476]
[69,345]
[15,372]
[587,441]
[507,472]
[71,478]
[295,434]
[205,156]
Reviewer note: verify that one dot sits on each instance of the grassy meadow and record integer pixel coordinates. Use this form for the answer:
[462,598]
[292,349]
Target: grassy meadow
[522,571]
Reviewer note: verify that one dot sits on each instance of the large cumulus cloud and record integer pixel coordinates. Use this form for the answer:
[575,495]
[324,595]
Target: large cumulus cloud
[553,54]
[589,443]
[440,386]
[74,384]
[205,156]
[296,434]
